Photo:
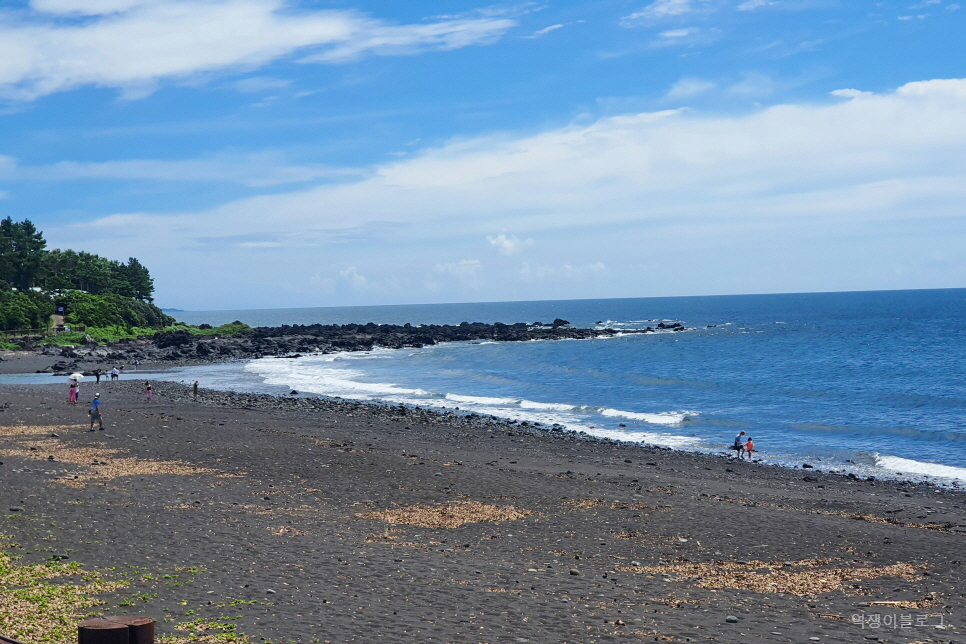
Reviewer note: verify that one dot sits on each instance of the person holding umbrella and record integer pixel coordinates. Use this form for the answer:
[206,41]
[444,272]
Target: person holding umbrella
[73,388]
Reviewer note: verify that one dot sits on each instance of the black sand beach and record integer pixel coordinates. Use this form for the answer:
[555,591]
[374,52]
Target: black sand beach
[247,518]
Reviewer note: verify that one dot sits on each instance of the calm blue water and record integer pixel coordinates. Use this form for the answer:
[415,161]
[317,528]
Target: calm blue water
[876,378]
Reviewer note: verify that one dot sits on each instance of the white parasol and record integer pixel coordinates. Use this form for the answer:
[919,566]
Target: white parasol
[76,376]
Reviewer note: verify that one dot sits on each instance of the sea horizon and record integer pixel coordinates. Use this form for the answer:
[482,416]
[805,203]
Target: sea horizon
[192,315]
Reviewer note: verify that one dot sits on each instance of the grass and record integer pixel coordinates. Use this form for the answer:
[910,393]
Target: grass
[36,610]
[115,333]
[229,329]
[42,603]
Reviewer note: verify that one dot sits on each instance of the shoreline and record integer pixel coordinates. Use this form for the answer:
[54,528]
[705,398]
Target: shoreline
[400,524]
[314,401]
[382,409]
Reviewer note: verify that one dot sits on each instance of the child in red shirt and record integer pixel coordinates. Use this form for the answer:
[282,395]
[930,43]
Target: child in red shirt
[749,448]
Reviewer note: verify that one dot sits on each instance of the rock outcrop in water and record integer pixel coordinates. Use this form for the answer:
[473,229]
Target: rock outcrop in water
[295,340]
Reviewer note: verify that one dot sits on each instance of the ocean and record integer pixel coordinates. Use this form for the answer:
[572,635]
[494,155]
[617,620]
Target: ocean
[863,382]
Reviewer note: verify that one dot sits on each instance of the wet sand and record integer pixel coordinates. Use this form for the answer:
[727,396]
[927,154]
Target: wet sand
[301,521]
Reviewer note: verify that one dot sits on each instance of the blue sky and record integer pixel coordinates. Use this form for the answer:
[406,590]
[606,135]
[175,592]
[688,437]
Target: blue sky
[261,153]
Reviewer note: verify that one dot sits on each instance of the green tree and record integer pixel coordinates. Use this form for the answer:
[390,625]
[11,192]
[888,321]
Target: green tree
[22,249]
[23,310]
[137,278]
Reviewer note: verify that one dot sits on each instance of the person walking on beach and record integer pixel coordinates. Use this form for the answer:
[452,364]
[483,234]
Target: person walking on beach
[95,412]
[147,390]
[72,391]
[739,444]
[195,389]
[136,363]
[113,374]
[749,448]
[97,376]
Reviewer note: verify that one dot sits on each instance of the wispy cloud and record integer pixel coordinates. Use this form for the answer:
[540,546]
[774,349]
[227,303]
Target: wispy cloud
[412,39]
[751,5]
[674,34]
[509,245]
[543,32]
[657,10]
[688,87]
[354,279]
[754,85]
[134,45]
[849,93]
[466,270]
[254,170]
[255,84]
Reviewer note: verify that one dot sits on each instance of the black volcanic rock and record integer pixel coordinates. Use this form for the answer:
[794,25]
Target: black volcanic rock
[290,340]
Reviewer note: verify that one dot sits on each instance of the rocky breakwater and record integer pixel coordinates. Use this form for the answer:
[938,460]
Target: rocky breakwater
[295,340]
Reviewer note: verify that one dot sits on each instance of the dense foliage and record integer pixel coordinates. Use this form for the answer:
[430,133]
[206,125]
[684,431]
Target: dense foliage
[23,310]
[97,291]
[62,270]
[112,310]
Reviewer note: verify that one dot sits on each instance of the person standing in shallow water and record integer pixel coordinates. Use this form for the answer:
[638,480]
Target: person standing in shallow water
[749,449]
[739,444]
[147,390]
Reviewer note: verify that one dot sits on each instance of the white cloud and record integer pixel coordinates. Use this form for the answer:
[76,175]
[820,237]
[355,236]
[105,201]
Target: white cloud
[86,7]
[411,39]
[543,32]
[849,93]
[953,7]
[688,87]
[354,279]
[564,271]
[677,180]
[511,245]
[754,85]
[135,44]
[255,84]
[679,33]
[464,270]
[658,10]
[751,5]
[259,169]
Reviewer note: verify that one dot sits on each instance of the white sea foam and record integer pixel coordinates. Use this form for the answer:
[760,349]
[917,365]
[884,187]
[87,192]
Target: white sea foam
[909,466]
[530,404]
[662,418]
[326,381]
[336,375]
[650,438]
[480,400]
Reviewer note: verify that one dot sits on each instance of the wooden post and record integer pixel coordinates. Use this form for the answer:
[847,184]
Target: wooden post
[140,629]
[102,631]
